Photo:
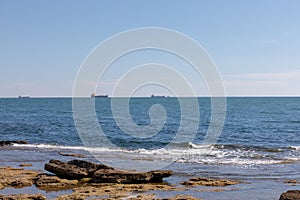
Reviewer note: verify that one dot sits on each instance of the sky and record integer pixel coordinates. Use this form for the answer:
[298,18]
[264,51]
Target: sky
[254,44]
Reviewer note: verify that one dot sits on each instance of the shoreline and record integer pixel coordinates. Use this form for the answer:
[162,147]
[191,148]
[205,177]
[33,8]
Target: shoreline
[256,181]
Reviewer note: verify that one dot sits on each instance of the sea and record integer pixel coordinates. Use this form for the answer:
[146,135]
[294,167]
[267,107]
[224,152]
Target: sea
[259,144]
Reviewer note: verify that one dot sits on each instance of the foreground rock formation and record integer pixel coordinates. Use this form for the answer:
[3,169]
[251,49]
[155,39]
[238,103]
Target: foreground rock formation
[23,197]
[16,177]
[290,195]
[89,180]
[98,173]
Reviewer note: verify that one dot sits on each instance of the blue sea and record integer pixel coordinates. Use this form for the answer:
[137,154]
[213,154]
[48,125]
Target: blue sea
[259,144]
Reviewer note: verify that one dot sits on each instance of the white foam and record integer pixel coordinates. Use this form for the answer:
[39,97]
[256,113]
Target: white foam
[202,154]
[297,148]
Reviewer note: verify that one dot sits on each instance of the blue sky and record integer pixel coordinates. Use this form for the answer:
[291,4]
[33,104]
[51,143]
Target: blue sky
[255,44]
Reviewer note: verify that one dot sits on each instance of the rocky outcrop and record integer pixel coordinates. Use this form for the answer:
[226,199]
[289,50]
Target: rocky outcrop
[118,176]
[117,191]
[23,197]
[49,182]
[11,142]
[65,170]
[16,177]
[208,182]
[290,195]
[79,169]
[75,169]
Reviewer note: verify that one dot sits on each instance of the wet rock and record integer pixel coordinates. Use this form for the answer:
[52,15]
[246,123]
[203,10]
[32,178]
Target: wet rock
[72,155]
[79,169]
[152,196]
[89,166]
[23,197]
[290,195]
[16,177]
[118,176]
[21,182]
[293,182]
[48,181]
[208,182]
[183,197]
[115,191]
[11,142]
[25,165]
[66,170]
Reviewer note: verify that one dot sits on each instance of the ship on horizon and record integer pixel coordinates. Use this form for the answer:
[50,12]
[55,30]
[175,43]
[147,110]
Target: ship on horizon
[157,96]
[24,97]
[94,95]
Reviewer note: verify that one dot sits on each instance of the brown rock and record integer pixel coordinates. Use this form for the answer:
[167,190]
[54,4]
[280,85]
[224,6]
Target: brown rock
[66,170]
[118,176]
[291,181]
[114,191]
[183,197]
[23,197]
[89,166]
[21,182]
[47,181]
[71,154]
[290,195]
[208,182]
[16,177]
[79,169]
[11,142]
[25,165]
[75,169]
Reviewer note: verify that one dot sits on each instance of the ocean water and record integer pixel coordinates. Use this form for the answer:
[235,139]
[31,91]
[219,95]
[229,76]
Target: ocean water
[259,143]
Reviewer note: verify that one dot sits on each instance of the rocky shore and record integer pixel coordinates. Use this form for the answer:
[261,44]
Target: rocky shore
[89,180]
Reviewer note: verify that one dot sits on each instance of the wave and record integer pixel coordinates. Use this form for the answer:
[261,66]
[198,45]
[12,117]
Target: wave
[190,153]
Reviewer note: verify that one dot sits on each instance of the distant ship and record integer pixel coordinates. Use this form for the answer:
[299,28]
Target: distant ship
[154,96]
[24,97]
[94,95]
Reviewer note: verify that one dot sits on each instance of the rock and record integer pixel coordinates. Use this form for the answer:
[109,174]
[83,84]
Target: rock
[208,182]
[290,195]
[115,191]
[25,165]
[183,197]
[79,169]
[23,197]
[71,154]
[11,142]
[118,176]
[21,182]
[16,177]
[48,181]
[75,169]
[89,166]
[66,170]
[291,182]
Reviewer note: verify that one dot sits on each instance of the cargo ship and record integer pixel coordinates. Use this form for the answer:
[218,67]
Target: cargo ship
[24,97]
[155,96]
[94,95]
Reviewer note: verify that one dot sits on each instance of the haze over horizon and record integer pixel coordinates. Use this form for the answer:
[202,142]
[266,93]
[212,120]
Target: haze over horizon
[254,44]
